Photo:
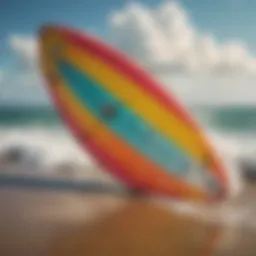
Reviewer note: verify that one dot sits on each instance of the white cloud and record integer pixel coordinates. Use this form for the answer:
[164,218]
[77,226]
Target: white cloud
[24,45]
[25,48]
[164,39]
[228,90]
[23,83]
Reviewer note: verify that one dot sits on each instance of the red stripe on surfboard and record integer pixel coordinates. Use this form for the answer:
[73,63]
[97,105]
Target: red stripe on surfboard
[128,68]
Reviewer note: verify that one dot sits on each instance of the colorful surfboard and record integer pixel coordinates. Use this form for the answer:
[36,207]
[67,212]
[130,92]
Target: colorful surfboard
[125,119]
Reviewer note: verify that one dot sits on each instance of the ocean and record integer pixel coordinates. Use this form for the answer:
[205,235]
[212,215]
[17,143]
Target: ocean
[231,129]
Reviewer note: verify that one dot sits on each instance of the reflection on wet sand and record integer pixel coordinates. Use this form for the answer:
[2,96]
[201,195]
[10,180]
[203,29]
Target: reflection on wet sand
[140,229]
[35,222]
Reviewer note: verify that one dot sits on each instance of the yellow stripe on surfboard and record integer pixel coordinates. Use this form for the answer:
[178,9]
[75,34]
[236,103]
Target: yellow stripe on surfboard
[141,103]
[101,134]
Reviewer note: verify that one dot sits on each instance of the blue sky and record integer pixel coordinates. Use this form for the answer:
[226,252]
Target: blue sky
[225,19]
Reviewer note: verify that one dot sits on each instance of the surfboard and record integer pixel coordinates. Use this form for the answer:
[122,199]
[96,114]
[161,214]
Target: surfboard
[126,120]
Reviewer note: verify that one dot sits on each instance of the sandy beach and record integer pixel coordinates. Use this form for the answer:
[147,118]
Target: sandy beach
[53,222]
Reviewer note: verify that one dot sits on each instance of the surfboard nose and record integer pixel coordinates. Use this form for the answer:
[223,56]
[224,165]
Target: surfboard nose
[49,38]
[44,35]
[45,29]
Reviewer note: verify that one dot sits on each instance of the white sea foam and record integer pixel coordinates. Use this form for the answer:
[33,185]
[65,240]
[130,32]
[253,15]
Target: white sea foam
[54,146]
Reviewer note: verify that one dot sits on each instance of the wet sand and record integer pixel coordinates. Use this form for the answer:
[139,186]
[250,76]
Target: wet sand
[40,222]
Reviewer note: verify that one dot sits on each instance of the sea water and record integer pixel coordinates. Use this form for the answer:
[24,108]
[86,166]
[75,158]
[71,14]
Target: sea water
[231,130]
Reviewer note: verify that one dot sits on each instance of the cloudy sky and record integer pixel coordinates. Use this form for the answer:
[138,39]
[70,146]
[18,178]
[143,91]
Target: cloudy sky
[204,51]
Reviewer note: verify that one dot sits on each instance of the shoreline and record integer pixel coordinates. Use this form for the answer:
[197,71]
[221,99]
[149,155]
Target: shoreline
[55,183]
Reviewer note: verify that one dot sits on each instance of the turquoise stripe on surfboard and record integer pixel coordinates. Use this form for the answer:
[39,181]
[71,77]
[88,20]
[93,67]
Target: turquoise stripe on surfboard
[129,126]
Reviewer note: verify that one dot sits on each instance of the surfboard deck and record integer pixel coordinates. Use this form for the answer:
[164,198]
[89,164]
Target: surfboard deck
[126,120]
